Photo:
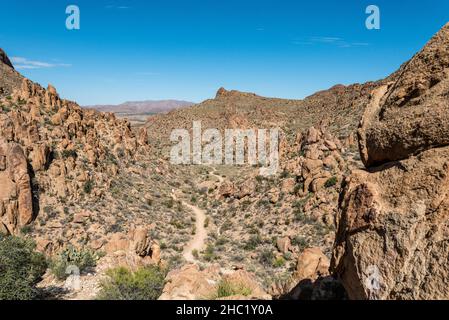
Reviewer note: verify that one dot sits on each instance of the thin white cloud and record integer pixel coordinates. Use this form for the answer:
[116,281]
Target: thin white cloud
[24,63]
[326,39]
[331,41]
[117,7]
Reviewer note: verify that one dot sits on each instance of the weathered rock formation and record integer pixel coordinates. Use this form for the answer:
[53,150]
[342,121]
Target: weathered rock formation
[411,114]
[9,78]
[133,250]
[393,231]
[16,205]
[54,153]
[191,283]
[4,59]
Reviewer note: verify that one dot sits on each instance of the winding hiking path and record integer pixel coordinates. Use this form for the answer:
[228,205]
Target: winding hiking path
[199,239]
[214,173]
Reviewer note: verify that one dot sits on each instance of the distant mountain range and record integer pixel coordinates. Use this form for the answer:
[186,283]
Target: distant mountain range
[143,107]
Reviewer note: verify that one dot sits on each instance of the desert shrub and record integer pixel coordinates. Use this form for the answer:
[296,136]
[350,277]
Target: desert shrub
[21,267]
[331,182]
[27,229]
[69,154]
[301,242]
[226,288]
[88,186]
[253,242]
[279,262]
[170,203]
[266,257]
[298,187]
[284,174]
[300,216]
[83,259]
[209,253]
[122,284]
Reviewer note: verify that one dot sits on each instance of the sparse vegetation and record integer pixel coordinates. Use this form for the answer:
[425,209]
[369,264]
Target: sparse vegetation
[144,284]
[68,153]
[21,267]
[331,182]
[209,253]
[82,259]
[253,242]
[88,186]
[226,288]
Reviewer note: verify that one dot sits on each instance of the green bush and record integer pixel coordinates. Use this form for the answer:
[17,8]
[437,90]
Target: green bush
[209,253]
[279,262]
[144,284]
[301,242]
[83,259]
[266,257]
[227,289]
[88,186]
[69,153]
[253,242]
[21,268]
[331,182]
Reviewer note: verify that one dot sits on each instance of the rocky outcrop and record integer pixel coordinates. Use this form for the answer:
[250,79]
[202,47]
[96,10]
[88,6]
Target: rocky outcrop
[411,114]
[9,78]
[191,283]
[393,230]
[392,224]
[133,250]
[312,264]
[312,280]
[4,59]
[16,205]
[54,158]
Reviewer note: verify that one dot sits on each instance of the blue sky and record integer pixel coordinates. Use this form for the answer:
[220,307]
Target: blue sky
[187,49]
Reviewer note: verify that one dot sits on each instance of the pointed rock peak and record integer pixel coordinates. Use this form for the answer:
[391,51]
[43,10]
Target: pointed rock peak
[51,89]
[221,92]
[4,59]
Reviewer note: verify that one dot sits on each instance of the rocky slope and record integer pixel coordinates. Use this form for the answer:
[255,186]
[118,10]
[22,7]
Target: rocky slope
[80,178]
[392,238]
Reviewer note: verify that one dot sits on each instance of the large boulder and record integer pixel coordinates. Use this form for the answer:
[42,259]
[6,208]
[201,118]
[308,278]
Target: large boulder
[312,264]
[133,250]
[393,230]
[191,283]
[392,224]
[411,114]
